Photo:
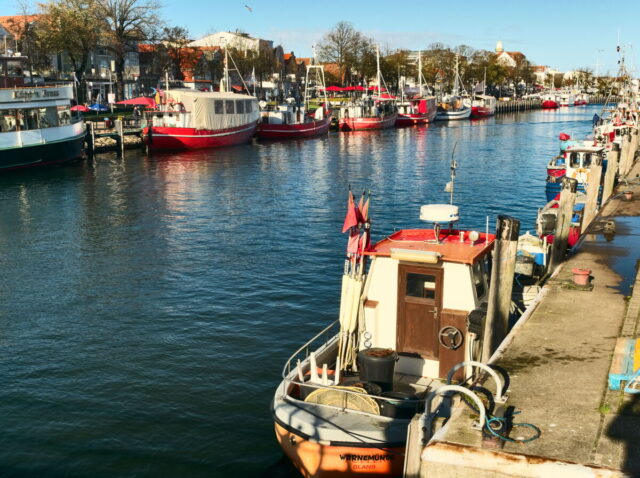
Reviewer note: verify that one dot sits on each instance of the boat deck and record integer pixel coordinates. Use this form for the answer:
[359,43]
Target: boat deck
[451,246]
[559,360]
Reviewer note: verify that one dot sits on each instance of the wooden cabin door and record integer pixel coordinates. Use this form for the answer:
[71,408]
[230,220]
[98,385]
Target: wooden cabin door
[419,307]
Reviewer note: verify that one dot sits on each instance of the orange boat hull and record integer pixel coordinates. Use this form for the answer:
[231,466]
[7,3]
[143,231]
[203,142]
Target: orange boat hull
[330,461]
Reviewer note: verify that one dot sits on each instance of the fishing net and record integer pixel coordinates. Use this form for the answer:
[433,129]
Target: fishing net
[340,397]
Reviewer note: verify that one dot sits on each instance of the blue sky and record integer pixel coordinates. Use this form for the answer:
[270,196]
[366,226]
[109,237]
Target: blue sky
[560,34]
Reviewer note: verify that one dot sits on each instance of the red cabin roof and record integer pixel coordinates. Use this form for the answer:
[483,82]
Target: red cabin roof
[450,248]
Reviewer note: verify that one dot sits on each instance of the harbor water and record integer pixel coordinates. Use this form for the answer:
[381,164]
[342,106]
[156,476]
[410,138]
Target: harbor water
[148,304]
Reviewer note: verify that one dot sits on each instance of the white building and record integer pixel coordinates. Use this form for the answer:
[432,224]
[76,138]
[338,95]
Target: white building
[239,40]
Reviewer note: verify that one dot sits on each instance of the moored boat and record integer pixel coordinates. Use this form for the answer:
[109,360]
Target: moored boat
[567,99]
[293,121]
[420,109]
[454,106]
[190,119]
[483,106]
[37,126]
[347,396]
[550,101]
[378,111]
[574,162]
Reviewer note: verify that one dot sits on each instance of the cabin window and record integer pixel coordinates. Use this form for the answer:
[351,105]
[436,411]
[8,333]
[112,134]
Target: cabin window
[248,107]
[64,115]
[8,121]
[218,107]
[48,117]
[478,278]
[421,285]
[29,119]
[574,160]
[586,161]
[228,105]
[240,107]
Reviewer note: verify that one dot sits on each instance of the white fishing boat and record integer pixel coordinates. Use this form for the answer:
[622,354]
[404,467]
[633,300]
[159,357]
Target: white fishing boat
[457,105]
[347,395]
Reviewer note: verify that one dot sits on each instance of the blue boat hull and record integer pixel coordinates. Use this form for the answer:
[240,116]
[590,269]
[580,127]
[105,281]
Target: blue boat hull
[553,189]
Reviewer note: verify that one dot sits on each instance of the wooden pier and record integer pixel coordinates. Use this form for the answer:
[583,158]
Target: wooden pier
[559,357]
[102,136]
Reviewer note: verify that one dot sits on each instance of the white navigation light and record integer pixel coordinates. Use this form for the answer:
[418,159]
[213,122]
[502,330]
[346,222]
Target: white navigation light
[439,213]
[474,236]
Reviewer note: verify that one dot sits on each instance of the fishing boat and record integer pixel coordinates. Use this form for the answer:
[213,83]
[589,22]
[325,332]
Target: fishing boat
[348,394]
[294,121]
[574,162]
[421,109]
[457,105]
[37,126]
[567,99]
[550,100]
[190,119]
[548,217]
[378,111]
[483,106]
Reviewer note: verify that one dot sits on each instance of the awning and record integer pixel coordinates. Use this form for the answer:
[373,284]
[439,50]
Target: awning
[141,101]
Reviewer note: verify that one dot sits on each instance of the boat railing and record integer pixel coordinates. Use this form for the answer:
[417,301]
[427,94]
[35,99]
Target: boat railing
[316,344]
[321,345]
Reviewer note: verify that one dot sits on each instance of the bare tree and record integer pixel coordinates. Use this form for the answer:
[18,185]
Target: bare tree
[129,22]
[340,46]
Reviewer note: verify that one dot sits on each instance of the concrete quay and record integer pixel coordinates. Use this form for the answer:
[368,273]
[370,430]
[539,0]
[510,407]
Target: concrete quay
[558,357]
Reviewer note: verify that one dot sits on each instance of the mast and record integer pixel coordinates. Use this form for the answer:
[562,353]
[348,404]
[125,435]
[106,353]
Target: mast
[378,69]
[455,79]
[484,82]
[224,84]
[420,72]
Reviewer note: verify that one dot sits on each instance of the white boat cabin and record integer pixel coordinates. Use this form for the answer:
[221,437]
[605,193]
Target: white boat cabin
[368,107]
[204,110]
[289,113]
[579,159]
[421,292]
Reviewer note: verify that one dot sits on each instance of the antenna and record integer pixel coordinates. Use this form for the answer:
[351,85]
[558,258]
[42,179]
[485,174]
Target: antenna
[454,165]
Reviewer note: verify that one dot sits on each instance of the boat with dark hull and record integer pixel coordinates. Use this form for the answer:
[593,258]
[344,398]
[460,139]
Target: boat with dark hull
[37,127]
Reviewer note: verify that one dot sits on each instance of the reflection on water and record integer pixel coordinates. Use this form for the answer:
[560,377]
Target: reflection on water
[149,303]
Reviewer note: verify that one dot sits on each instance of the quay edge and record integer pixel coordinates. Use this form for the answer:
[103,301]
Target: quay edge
[558,360]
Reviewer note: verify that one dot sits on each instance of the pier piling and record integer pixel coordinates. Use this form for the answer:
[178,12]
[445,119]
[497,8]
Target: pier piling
[593,191]
[563,221]
[120,137]
[612,170]
[502,275]
[624,154]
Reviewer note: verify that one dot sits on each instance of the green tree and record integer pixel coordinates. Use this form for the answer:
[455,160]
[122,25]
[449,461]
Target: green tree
[71,28]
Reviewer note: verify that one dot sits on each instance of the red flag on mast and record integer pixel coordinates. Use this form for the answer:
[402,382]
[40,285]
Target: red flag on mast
[353,215]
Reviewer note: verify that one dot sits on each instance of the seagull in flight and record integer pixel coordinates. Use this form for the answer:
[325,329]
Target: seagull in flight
[248,8]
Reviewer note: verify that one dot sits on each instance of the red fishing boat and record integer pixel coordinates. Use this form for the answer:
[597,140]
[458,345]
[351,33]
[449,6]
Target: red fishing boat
[417,111]
[550,101]
[190,119]
[292,121]
[483,106]
[420,109]
[369,112]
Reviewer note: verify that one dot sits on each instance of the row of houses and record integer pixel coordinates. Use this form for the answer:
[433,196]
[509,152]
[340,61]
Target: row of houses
[195,64]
